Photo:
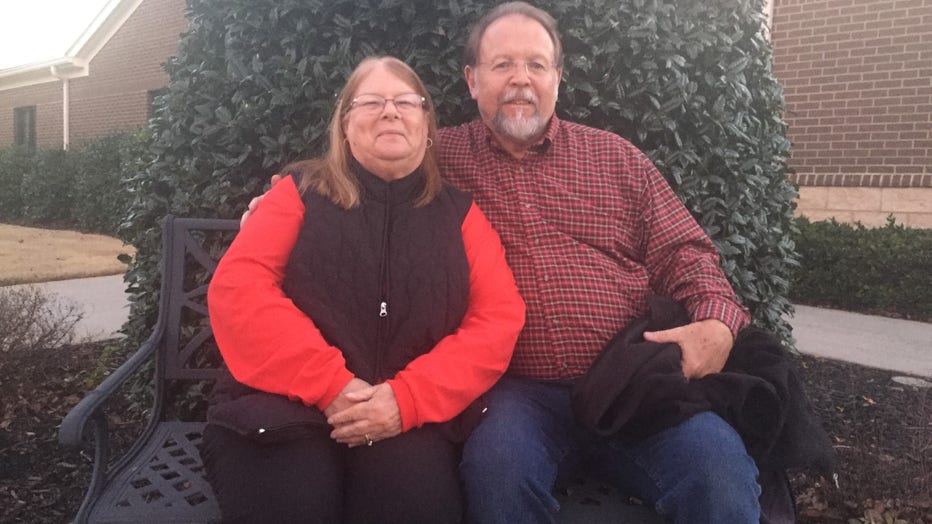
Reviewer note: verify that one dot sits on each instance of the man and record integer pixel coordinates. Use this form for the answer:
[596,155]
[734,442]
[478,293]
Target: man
[590,228]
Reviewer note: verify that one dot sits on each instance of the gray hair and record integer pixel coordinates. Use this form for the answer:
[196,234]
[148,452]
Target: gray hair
[471,51]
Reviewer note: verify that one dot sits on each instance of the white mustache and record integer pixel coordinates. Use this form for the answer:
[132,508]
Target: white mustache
[523,95]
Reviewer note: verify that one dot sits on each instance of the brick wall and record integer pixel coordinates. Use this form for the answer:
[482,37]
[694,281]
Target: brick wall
[47,99]
[858,84]
[114,97]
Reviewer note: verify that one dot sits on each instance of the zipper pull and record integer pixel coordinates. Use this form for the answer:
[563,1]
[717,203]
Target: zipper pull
[383,309]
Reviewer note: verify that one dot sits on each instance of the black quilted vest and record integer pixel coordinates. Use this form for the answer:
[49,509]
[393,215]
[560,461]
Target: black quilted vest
[384,281]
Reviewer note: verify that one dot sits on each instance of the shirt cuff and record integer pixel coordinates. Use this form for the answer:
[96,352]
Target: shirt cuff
[406,407]
[336,386]
[732,314]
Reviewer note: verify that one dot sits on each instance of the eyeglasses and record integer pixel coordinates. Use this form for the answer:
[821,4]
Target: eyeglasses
[406,103]
[533,68]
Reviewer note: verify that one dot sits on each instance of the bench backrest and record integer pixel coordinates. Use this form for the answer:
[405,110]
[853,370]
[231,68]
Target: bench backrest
[191,248]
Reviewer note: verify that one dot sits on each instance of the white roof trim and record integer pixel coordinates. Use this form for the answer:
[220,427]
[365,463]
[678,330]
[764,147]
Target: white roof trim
[76,62]
[110,19]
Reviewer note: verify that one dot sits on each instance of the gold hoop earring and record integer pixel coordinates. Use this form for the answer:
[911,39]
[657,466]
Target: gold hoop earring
[429,142]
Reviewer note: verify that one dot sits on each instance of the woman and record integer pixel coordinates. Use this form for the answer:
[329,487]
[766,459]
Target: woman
[364,305]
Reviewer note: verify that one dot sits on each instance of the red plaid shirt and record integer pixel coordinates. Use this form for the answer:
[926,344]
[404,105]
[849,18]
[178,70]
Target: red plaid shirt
[590,227]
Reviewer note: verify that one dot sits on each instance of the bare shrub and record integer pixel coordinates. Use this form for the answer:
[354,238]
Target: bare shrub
[32,325]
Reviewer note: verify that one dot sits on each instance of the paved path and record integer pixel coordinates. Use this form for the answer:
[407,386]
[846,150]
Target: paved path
[102,301]
[878,342]
[898,345]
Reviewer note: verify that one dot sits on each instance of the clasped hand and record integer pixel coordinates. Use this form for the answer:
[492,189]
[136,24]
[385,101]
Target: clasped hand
[362,411]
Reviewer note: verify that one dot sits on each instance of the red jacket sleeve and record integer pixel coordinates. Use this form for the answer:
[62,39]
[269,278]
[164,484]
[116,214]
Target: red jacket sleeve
[266,341]
[438,385]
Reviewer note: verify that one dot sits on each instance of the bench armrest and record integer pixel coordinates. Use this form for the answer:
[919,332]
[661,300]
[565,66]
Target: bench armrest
[78,420]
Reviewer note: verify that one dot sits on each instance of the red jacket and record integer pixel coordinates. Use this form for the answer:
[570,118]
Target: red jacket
[270,344]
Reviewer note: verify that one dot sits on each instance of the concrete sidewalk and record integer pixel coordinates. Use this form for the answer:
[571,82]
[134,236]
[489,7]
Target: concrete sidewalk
[878,342]
[898,345]
[102,300]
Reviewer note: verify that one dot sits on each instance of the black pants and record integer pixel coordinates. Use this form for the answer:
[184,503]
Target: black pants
[411,478]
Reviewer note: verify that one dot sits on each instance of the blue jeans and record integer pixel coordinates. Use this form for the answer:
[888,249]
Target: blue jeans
[697,471]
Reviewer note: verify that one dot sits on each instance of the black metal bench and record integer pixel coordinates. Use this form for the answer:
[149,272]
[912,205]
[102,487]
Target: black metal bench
[161,478]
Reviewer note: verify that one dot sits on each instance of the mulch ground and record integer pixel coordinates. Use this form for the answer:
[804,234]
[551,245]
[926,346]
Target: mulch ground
[882,433]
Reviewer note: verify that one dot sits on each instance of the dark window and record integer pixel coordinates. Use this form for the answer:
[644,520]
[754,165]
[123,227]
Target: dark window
[153,100]
[24,122]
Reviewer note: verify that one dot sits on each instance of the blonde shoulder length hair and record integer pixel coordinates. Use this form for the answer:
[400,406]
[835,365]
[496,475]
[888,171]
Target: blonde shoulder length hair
[329,175]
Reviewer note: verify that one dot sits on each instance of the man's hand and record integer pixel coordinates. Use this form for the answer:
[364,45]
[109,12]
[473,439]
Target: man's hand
[254,203]
[705,345]
[374,416]
[342,401]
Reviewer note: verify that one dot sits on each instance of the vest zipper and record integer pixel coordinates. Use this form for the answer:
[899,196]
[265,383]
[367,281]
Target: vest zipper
[384,291]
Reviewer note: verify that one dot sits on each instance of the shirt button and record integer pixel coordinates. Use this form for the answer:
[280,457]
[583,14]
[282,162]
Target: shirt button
[527,206]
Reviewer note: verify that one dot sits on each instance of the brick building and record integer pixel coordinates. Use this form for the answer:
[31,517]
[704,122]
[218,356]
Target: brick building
[104,84]
[858,81]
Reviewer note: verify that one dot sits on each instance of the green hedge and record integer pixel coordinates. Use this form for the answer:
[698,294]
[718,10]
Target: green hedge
[886,270]
[101,197]
[15,162]
[690,83]
[82,188]
[48,189]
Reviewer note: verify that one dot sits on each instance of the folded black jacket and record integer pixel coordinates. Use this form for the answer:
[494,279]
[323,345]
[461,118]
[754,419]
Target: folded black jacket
[636,388]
